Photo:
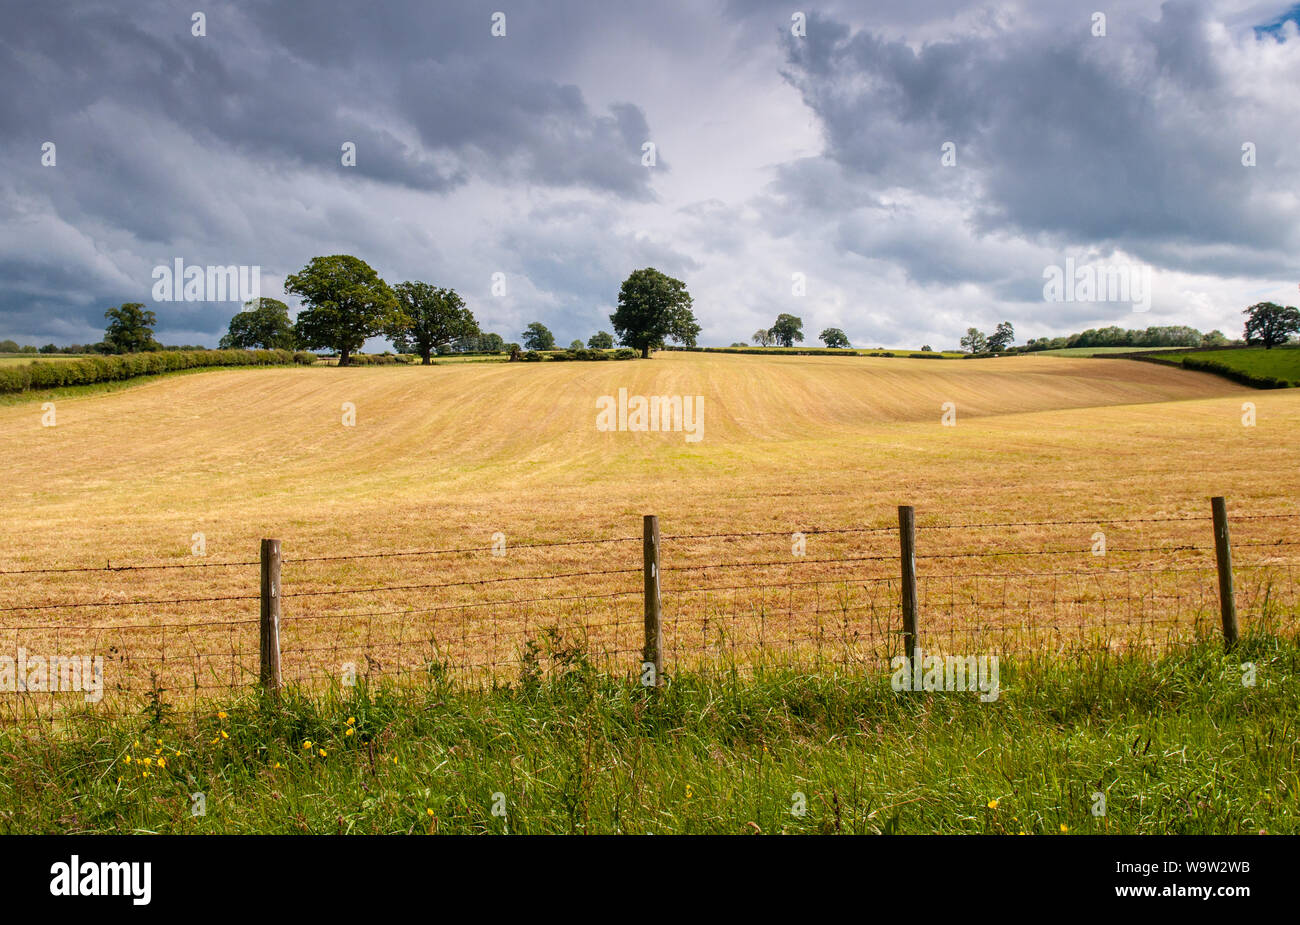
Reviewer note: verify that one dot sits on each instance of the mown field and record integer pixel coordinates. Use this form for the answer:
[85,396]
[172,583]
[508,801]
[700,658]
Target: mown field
[443,458]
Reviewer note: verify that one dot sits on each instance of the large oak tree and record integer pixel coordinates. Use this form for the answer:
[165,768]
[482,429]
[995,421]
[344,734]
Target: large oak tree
[430,318]
[344,303]
[651,307]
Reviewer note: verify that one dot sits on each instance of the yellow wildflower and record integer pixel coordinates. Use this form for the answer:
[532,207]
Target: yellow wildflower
[993,804]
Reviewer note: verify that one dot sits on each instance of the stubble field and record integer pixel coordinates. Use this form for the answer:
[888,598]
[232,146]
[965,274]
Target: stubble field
[445,462]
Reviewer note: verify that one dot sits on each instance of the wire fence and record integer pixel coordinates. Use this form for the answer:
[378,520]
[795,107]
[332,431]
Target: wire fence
[824,599]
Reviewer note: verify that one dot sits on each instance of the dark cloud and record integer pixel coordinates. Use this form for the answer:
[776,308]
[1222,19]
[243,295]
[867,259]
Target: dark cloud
[522,155]
[1134,138]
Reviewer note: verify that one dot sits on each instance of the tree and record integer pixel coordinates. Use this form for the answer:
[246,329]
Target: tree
[1215,338]
[834,337]
[538,336]
[265,326]
[130,329]
[925,348]
[601,340]
[763,337]
[8,346]
[787,330]
[1270,324]
[651,307]
[344,302]
[974,341]
[1001,338]
[429,319]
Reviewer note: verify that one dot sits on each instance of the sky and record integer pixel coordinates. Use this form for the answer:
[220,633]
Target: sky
[901,171]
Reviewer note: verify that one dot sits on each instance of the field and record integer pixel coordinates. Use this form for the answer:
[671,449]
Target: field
[443,458]
[17,359]
[1282,363]
[776,662]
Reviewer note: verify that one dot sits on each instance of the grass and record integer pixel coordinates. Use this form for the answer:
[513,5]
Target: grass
[1094,351]
[1177,744]
[20,359]
[1279,363]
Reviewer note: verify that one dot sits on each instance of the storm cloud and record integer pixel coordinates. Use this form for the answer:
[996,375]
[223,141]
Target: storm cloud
[775,154]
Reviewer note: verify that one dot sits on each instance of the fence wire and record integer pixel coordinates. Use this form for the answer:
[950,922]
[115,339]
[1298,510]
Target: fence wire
[821,599]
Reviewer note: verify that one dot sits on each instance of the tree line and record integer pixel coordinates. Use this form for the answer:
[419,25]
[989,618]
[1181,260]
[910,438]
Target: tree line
[344,303]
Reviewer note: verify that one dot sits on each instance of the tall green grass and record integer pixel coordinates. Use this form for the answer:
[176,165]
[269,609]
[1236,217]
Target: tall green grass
[1177,744]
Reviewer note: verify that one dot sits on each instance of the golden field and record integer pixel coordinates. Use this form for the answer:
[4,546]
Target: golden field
[443,457]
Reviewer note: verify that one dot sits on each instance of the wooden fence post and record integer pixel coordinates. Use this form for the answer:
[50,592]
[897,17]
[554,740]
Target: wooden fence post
[907,545]
[652,655]
[270,622]
[1223,553]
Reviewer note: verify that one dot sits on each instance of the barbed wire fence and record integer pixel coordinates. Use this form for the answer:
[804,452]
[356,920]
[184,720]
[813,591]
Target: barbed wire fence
[822,599]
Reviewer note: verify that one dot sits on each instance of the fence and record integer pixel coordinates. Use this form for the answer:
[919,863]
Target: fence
[845,598]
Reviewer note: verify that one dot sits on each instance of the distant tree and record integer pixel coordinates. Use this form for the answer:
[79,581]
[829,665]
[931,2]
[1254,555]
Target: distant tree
[344,303]
[576,345]
[601,340]
[834,337]
[740,344]
[431,319]
[763,337]
[653,306]
[925,348]
[787,329]
[8,346]
[1001,338]
[50,348]
[1270,324]
[130,329]
[1215,338]
[264,326]
[974,341]
[477,343]
[538,336]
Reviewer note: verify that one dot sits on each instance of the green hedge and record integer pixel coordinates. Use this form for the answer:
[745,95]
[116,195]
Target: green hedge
[382,359]
[42,375]
[559,356]
[811,352]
